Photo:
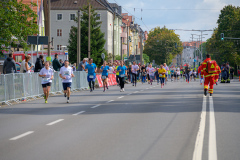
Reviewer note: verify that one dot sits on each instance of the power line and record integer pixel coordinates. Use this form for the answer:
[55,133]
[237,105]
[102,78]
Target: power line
[186,9]
[134,16]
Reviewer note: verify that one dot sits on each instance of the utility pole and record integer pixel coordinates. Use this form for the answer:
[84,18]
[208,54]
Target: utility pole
[141,48]
[49,28]
[121,48]
[113,36]
[79,38]
[89,30]
[127,42]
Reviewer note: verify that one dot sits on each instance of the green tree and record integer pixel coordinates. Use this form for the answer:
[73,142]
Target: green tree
[227,50]
[160,45]
[97,38]
[146,58]
[17,21]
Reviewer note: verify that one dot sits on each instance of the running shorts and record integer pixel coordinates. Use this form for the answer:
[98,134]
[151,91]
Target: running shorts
[67,85]
[91,79]
[45,85]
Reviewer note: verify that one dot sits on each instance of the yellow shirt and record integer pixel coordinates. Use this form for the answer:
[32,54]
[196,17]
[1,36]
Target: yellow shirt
[160,71]
[117,73]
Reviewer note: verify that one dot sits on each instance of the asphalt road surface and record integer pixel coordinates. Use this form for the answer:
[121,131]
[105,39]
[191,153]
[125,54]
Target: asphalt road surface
[143,123]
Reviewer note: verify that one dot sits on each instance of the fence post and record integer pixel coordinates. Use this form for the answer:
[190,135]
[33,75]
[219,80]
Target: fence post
[5,88]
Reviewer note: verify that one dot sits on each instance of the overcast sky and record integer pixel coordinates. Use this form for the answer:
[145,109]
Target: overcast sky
[177,14]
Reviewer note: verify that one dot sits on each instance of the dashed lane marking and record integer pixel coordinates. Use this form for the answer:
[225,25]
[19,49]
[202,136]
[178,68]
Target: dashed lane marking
[120,97]
[78,113]
[54,122]
[96,106]
[110,101]
[21,136]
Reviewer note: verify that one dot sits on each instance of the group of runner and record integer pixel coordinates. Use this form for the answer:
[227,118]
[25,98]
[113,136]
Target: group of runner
[148,74]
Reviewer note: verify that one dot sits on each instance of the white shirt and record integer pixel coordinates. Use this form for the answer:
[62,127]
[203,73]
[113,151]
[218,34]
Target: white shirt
[151,71]
[66,72]
[49,73]
[135,68]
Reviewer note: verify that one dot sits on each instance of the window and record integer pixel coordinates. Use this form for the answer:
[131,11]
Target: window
[59,17]
[59,47]
[72,17]
[99,16]
[59,32]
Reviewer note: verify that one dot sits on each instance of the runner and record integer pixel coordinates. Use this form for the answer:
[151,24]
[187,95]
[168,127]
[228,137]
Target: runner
[66,73]
[122,73]
[134,70]
[167,69]
[105,69]
[151,73]
[144,73]
[162,75]
[194,74]
[157,76]
[187,70]
[47,75]
[178,73]
[117,73]
[92,69]
[172,73]
[148,77]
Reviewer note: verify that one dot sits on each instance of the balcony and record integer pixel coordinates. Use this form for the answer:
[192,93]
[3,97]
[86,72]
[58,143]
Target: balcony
[124,34]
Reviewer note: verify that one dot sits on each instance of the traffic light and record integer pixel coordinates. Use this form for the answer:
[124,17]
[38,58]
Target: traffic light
[222,36]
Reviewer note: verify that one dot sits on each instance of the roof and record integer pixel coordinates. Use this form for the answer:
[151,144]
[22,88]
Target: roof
[71,5]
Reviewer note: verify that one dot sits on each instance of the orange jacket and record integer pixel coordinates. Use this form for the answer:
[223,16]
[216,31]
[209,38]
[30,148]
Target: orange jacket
[204,68]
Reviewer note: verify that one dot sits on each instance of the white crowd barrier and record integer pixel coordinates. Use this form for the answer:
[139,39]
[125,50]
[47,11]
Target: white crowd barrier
[23,86]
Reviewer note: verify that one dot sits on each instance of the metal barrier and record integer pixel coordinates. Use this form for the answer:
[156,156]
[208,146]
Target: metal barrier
[23,86]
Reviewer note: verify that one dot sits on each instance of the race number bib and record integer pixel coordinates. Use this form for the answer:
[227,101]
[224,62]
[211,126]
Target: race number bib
[104,77]
[122,75]
[91,76]
[66,73]
[160,75]
[46,79]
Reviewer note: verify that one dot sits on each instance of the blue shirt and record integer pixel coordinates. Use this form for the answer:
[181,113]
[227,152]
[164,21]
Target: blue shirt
[91,69]
[105,72]
[123,69]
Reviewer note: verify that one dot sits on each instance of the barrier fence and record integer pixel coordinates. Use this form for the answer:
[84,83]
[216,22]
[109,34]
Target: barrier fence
[21,86]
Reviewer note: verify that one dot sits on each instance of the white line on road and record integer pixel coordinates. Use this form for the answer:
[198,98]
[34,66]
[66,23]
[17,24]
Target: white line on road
[22,135]
[136,92]
[120,97]
[129,93]
[212,148]
[141,90]
[197,154]
[78,113]
[110,101]
[54,122]
[96,106]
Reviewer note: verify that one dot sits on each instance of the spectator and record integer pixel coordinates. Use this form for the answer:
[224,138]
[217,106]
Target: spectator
[82,65]
[9,65]
[231,72]
[56,63]
[26,65]
[74,67]
[39,64]
[61,62]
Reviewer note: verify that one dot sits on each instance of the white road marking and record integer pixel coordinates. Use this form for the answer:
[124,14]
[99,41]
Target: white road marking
[110,101]
[120,97]
[141,90]
[129,93]
[136,92]
[22,135]
[54,122]
[212,148]
[197,154]
[78,113]
[96,106]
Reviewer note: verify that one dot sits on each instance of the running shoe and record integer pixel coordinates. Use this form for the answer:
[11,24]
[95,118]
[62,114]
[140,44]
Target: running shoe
[161,86]
[46,101]
[104,90]
[65,95]
[91,90]
[188,81]
[210,94]
[107,87]
[67,101]
[133,84]
[205,92]
[123,90]
[216,83]
[201,84]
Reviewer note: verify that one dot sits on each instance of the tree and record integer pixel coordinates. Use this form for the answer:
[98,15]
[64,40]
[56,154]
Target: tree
[227,50]
[161,45]
[17,21]
[97,38]
[146,58]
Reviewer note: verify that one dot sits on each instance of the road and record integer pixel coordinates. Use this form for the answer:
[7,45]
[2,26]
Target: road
[143,123]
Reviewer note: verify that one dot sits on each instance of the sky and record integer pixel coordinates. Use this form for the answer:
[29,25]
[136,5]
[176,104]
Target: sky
[177,14]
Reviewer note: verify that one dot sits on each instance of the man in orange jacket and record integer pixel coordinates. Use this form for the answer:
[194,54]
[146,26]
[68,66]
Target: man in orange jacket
[209,69]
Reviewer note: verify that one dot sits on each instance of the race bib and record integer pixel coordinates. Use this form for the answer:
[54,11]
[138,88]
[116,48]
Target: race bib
[66,73]
[46,79]
[104,77]
[91,76]
[160,75]
[122,75]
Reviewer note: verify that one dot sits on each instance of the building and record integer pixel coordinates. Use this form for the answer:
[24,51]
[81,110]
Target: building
[63,13]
